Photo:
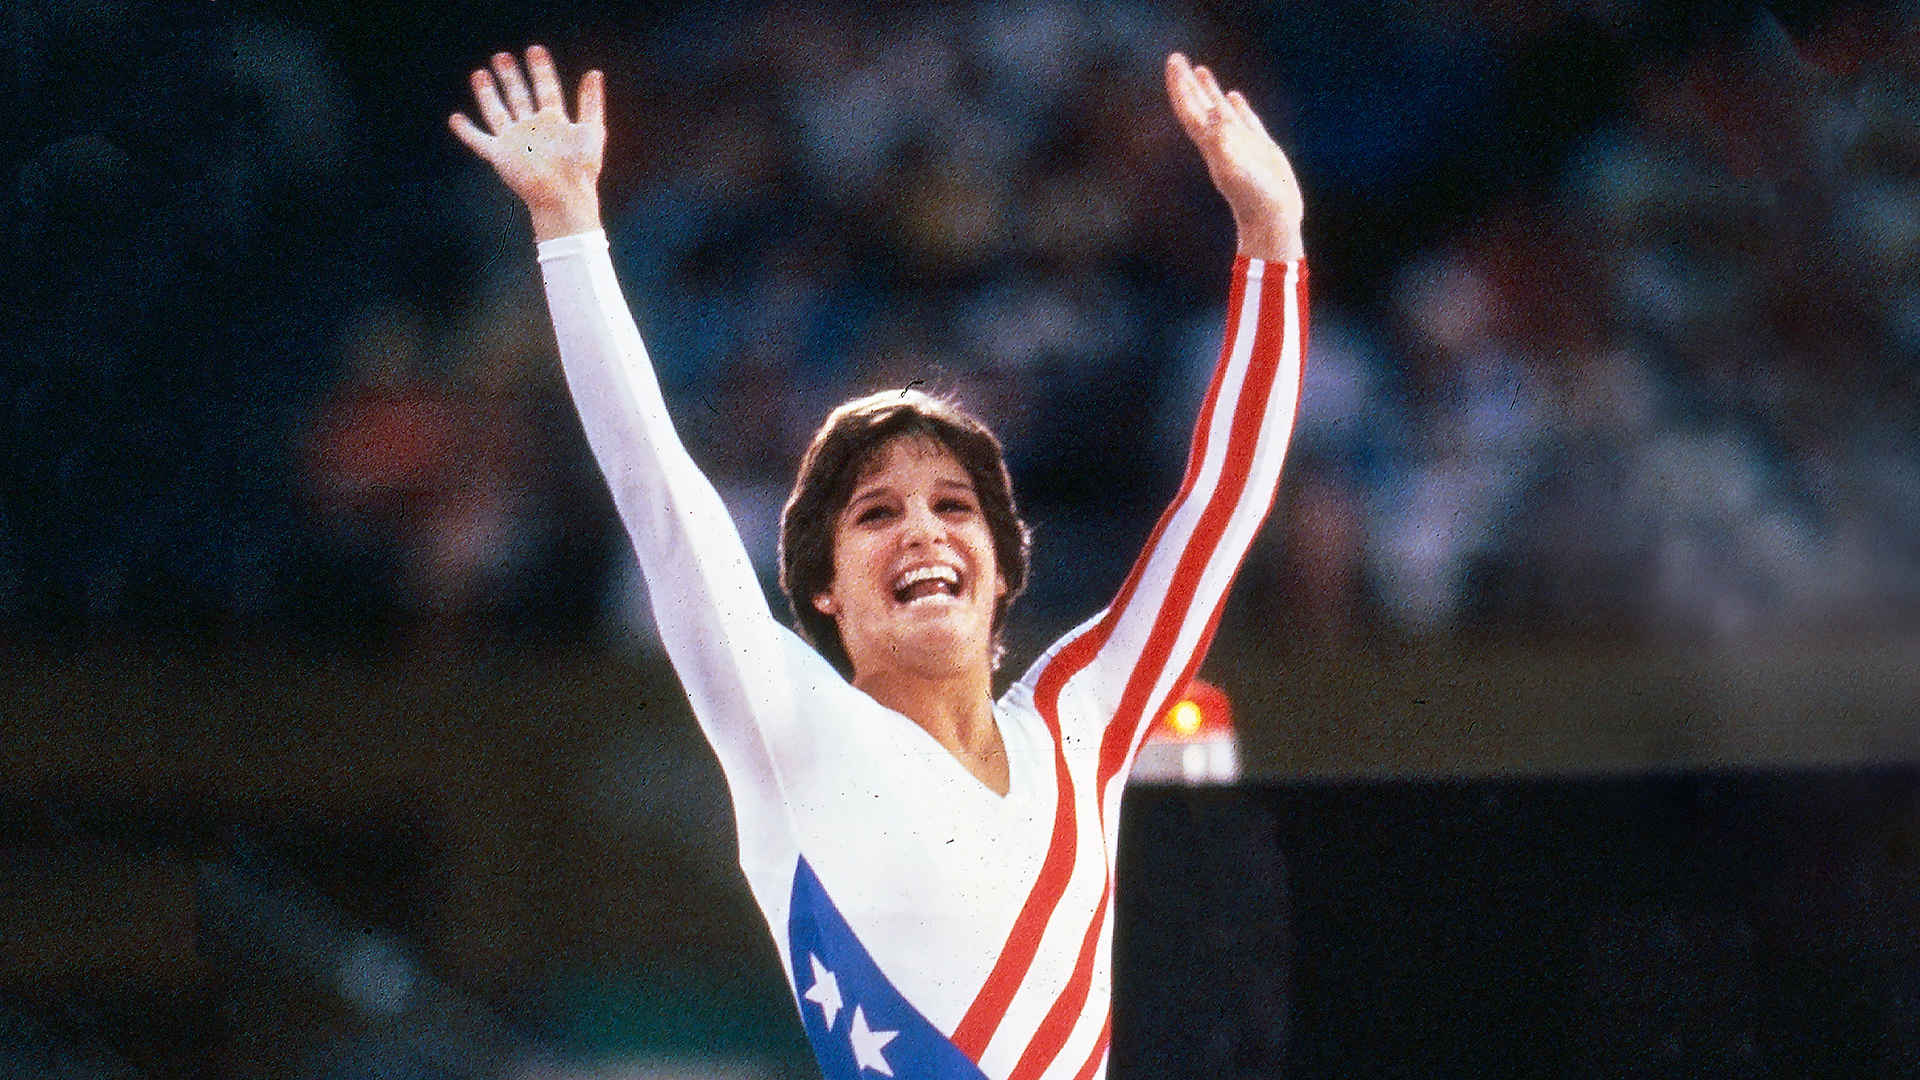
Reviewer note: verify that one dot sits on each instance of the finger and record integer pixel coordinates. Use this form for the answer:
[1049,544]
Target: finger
[1243,109]
[1178,69]
[593,98]
[486,94]
[1185,94]
[468,132]
[546,82]
[1192,115]
[507,70]
[1216,98]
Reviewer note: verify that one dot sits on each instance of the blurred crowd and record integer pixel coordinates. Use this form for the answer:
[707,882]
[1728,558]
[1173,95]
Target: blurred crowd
[1668,389]
[1654,376]
[1673,392]
[990,201]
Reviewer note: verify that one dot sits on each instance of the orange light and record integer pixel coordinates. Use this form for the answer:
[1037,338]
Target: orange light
[1201,711]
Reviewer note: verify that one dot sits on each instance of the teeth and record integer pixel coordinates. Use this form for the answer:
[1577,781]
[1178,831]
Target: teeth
[946,575]
[929,573]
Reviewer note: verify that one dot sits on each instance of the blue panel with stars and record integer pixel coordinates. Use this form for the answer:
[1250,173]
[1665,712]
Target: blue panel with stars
[859,1024]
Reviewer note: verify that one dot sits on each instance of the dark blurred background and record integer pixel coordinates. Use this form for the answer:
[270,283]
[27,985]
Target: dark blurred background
[1574,674]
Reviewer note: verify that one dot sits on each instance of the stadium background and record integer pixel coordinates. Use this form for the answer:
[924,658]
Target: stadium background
[1574,675]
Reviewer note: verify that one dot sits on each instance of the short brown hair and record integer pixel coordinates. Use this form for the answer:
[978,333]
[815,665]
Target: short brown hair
[847,441]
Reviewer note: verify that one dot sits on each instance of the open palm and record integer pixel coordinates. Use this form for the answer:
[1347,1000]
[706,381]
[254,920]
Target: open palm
[1248,167]
[552,162]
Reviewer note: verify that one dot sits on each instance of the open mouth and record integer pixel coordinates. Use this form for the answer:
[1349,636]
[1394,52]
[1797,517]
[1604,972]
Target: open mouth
[925,583]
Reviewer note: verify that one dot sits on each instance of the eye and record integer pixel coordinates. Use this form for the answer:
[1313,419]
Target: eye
[873,513]
[954,505]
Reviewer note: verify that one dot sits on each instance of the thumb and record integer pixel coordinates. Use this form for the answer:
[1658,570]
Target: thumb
[469,133]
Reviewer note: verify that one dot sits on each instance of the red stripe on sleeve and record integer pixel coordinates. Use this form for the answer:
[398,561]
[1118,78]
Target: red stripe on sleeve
[1243,439]
[1262,370]
[1197,449]
[990,1006]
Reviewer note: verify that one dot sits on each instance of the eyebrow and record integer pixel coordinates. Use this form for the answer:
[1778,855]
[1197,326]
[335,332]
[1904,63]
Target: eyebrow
[861,495]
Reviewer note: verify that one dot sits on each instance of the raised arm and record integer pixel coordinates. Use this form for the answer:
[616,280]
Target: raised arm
[1121,669]
[735,660]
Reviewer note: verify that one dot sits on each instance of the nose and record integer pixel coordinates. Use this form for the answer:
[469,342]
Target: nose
[920,525]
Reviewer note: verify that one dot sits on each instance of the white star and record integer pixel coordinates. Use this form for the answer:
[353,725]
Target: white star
[825,991]
[867,1044]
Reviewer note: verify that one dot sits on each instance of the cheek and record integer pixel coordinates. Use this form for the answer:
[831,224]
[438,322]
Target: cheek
[851,554]
[990,557]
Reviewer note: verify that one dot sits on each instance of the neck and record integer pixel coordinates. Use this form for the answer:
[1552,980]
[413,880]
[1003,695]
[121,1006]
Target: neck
[957,711]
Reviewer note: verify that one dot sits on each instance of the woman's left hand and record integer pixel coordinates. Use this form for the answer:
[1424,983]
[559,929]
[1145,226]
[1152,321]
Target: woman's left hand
[1248,167]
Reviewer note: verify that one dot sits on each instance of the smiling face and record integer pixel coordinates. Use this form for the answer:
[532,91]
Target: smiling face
[915,583]
[840,458]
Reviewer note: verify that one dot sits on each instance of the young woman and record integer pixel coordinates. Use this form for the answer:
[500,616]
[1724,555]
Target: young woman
[936,867]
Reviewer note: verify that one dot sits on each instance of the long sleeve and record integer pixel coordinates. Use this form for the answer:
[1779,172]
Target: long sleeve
[1044,1011]
[743,671]
[1144,648]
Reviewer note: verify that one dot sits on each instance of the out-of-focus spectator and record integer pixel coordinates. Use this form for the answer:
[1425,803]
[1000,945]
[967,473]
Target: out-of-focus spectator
[1642,396]
[447,476]
[1481,426]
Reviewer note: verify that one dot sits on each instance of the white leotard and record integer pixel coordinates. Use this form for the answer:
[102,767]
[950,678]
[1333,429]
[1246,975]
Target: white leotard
[928,926]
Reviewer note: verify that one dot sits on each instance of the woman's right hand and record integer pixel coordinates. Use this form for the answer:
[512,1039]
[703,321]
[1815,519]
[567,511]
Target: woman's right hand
[550,161]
